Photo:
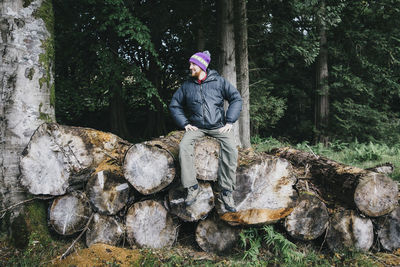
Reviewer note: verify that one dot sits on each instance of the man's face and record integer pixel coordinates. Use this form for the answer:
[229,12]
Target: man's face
[195,70]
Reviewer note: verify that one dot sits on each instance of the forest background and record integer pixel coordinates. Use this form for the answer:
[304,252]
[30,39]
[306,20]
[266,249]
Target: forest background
[119,62]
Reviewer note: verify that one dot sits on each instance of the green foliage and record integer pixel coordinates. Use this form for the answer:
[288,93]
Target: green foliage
[251,242]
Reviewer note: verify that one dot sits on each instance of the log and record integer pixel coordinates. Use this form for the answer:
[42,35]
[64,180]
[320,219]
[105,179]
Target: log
[264,191]
[216,236]
[308,219]
[206,153]
[389,230]
[69,214]
[148,224]
[348,230]
[108,191]
[58,157]
[198,210]
[372,193]
[104,229]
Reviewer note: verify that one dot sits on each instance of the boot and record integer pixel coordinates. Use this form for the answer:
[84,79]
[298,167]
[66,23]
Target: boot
[227,199]
[192,193]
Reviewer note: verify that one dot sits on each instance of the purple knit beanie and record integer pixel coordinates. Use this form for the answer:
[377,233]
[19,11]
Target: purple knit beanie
[201,59]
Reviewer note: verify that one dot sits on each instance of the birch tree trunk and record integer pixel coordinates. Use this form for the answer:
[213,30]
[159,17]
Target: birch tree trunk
[27,85]
[227,63]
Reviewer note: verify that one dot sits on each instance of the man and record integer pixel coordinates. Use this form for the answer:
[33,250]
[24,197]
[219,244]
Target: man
[198,107]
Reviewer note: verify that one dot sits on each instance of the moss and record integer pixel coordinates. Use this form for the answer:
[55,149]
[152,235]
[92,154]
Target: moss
[31,73]
[27,3]
[44,116]
[45,12]
[30,227]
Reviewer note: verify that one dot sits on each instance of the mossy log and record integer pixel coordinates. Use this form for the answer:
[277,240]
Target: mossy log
[216,236]
[148,224]
[69,214]
[198,210]
[308,219]
[57,157]
[108,191]
[104,229]
[348,230]
[374,194]
[389,230]
[264,190]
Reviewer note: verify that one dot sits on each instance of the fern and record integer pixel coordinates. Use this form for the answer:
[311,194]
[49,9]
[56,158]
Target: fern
[250,239]
[281,246]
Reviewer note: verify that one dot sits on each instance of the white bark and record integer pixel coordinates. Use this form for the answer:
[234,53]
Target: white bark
[25,102]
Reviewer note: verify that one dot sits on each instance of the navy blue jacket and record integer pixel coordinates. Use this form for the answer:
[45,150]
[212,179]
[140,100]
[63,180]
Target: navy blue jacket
[202,105]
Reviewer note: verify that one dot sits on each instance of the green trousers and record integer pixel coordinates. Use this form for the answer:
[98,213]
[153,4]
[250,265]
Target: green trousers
[227,158]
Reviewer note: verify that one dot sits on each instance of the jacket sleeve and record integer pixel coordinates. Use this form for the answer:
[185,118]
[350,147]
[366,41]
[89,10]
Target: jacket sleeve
[234,99]
[177,108]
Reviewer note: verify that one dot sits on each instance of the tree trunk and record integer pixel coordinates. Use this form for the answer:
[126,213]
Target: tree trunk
[322,86]
[200,37]
[216,236]
[108,191]
[198,210]
[389,230]
[58,157]
[148,224]
[105,230]
[117,114]
[372,193]
[242,62]
[308,219]
[348,230]
[69,214]
[264,191]
[27,87]
[227,64]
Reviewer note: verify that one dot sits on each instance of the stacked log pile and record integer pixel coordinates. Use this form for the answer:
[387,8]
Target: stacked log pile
[117,191]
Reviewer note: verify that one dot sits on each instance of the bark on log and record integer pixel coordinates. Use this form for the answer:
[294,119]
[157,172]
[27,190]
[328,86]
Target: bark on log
[214,235]
[59,156]
[148,224]
[70,213]
[108,192]
[348,230]
[372,193]
[308,219]
[389,230]
[264,191]
[198,210]
[104,229]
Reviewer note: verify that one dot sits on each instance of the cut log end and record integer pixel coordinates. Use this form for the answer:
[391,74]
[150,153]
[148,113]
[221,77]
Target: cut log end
[148,224]
[376,194]
[149,169]
[213,235]
[108,192]
[206,152]
[198,210]
[389,231]
[346,230]
[104,229]
[308,219]
[70,213]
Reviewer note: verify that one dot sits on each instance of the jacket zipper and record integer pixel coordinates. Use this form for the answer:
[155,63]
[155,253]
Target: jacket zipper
[203,101]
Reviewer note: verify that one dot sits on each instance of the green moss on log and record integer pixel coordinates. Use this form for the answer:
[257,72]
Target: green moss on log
[44,116]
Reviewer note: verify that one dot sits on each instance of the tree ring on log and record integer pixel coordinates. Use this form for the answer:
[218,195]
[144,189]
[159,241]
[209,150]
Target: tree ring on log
[346,230]
[308,219]
[148,224]
[198,210]
[376,194]
[214,235]
[70,213]
[389,231]
[148,169]
[108,192]
[104,229]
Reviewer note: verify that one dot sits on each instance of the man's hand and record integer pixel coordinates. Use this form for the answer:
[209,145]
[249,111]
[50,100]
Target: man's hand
[191,128]
[227,128]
